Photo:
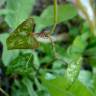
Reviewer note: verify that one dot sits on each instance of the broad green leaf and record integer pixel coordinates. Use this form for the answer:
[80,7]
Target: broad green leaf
[86,77]
[74,57]
[5,12]
[72,71]
[21,65]
[21,10]
[8,55]
[78,46]
[57,87]
[22,37]
[78,89]
[65,13]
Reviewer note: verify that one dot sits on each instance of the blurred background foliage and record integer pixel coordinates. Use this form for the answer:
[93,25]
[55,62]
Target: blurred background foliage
[37,72]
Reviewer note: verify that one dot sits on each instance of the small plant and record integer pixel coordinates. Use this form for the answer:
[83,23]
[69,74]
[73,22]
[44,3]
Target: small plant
[43,62]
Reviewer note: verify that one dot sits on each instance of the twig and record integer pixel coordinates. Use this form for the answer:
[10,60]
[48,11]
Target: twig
[6,94]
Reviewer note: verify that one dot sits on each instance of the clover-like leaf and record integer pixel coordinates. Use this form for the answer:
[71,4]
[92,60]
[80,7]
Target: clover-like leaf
[22,37]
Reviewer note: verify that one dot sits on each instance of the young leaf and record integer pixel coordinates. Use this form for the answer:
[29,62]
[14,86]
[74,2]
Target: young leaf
[22,37]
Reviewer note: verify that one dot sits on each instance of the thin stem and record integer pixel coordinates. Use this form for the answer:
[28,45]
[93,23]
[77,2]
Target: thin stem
[53,46]
[6,94]
[55,16]
[54,26]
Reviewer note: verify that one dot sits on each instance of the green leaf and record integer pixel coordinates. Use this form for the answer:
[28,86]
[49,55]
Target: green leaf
[72,71]
[5,12]
[21,10]
[57,87]
[86,78]
[78,46]
[65,13]
[21,65]
[28,83]
[81,90]
[90,52]
[94,83]
[74,57]
[8,55]
[22,37]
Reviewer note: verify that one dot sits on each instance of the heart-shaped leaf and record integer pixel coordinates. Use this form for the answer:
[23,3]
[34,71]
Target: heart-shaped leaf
[22,37]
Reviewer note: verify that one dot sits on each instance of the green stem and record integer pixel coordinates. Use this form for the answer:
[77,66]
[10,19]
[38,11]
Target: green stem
[28,60]
[55,16]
